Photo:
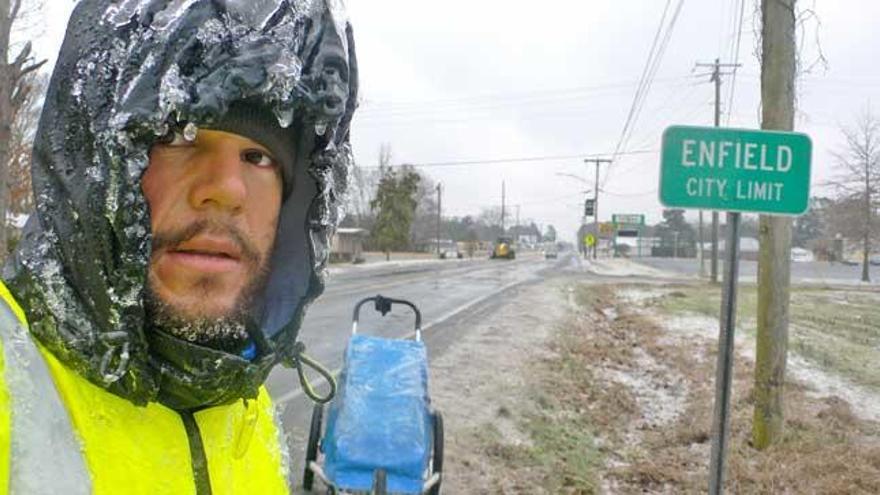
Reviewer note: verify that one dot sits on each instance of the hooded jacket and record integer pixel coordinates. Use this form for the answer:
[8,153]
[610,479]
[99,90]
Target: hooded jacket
[129,69]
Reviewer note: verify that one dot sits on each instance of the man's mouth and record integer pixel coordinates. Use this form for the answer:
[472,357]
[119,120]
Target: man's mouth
[207,254]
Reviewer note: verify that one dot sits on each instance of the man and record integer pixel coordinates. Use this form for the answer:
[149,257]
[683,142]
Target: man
[187,169]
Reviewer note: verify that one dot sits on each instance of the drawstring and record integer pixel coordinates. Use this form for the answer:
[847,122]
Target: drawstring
[113,339]
[297,360]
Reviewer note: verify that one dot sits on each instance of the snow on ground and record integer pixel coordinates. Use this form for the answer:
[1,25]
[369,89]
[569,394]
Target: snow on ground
[622,267]
[685,329]
[865,404]
[659,391]
[340,268]
[639,296]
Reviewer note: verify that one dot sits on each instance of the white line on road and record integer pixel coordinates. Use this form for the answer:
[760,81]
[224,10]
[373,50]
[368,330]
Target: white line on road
[295,394]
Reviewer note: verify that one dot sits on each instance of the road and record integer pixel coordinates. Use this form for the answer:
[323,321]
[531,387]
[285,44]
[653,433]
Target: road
[812,272]
[447,293]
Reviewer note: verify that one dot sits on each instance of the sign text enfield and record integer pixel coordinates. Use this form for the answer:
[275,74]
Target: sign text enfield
[735,170]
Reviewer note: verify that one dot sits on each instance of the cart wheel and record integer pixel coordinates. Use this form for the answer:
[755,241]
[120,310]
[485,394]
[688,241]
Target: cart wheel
[380,482]
[312,446]
[437,461]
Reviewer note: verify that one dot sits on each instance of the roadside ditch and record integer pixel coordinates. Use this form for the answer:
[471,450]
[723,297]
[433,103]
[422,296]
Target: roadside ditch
[572,388]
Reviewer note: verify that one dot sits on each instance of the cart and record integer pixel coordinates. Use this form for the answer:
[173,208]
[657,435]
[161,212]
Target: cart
[381,434]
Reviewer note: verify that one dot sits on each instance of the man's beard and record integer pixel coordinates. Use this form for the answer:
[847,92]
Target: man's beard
[226,332]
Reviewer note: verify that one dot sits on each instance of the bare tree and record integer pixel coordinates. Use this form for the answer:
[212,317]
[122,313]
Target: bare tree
[15,89]
[24,128]
[362,190]
[490,216]
[859,180]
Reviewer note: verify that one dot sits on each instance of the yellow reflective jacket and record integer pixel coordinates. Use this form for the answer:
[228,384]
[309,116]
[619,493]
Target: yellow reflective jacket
[59,433]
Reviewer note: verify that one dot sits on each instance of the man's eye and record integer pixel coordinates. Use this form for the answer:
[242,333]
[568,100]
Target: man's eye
[258,158]
[172,138]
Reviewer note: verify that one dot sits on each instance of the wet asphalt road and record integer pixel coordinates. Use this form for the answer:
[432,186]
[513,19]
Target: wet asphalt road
[448,293]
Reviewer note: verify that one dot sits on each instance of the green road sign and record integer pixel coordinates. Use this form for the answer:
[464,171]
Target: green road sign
[624,220]
[735,170]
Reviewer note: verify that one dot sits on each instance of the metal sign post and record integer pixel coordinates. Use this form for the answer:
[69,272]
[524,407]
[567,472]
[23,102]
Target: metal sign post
[733,170]
[724,369]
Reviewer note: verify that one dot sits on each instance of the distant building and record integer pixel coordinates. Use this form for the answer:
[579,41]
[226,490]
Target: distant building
[347,245]
[526,236]
[748,249]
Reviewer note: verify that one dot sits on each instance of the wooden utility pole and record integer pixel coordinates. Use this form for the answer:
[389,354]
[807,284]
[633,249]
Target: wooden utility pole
[597,161]
[439,210]
[716,78]
[778,68]
[503,199]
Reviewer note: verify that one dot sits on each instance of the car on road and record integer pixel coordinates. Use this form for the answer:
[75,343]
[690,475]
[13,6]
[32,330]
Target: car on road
[801,255]
[449,251]
[550,252]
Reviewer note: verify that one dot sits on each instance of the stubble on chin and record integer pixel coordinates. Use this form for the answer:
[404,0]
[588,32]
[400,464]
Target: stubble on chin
[226,330]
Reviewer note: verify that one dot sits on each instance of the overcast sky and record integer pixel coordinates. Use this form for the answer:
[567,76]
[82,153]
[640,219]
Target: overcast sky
[491,80]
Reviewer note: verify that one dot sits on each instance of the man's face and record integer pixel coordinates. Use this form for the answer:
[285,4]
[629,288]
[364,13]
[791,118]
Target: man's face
[214,206]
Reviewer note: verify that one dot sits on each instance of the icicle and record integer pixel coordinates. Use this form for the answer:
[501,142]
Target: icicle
[190,132]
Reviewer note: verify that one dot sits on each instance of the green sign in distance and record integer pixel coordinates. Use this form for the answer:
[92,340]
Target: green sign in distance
[735,170]
[621,219]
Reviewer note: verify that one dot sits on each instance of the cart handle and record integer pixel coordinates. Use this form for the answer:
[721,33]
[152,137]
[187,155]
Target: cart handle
[383,305]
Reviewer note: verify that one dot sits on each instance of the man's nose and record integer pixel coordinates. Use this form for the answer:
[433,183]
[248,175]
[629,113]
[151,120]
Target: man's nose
[219,181]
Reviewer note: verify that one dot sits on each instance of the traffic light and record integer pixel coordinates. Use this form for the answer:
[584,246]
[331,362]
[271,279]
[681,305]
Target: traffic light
[589,207]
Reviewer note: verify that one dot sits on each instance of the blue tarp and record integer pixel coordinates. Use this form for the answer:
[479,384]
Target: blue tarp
[380,417]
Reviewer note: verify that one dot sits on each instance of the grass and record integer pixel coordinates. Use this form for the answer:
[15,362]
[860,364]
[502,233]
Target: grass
[825,448]
[561,458]
[582,429]
[837,330]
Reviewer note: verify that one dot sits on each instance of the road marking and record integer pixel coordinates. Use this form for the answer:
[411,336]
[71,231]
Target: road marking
[297,393]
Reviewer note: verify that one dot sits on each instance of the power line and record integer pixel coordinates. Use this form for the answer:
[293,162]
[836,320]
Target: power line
[551,106]
[654,68]
[630,195]
[554,199]
[642,79]
[652,64]
[624,166]
[494,161]
[369,107]
[742,9]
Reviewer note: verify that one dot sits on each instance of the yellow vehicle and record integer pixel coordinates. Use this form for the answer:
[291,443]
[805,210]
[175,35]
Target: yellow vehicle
[503,249]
